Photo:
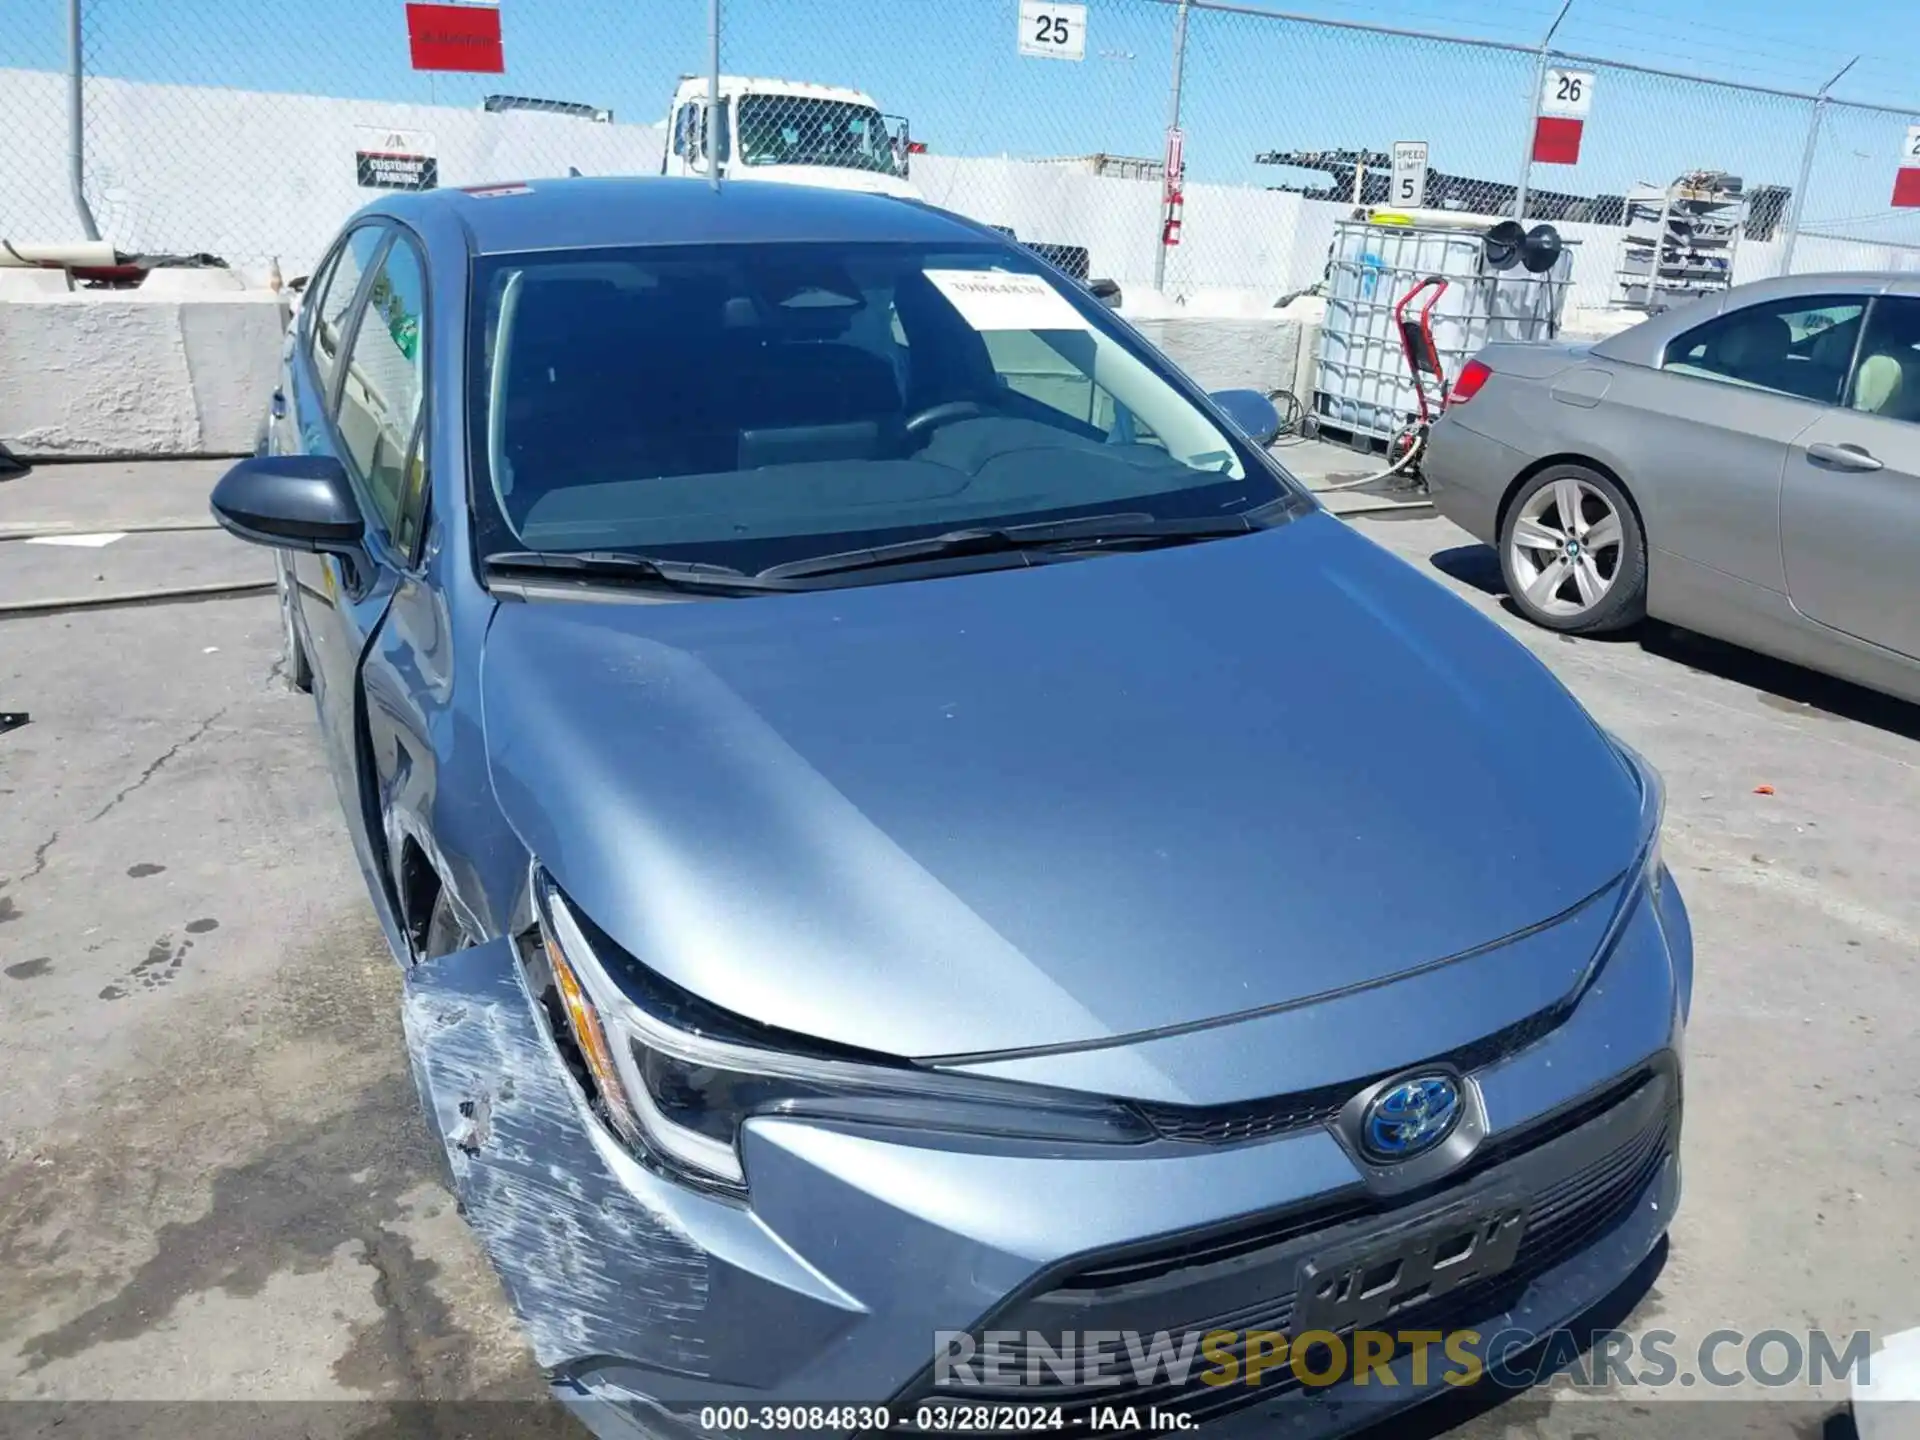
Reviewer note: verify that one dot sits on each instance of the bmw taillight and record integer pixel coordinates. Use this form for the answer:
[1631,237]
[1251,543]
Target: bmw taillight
[1472,377]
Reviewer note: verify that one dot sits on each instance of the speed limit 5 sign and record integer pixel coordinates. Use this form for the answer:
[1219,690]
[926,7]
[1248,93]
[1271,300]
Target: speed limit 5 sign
[1409,186]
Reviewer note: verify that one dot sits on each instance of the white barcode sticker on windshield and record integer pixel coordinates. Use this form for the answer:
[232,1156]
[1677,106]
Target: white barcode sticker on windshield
[1002,300]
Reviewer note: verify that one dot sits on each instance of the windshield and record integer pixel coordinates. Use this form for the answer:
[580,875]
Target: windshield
[759,405]
[801,130]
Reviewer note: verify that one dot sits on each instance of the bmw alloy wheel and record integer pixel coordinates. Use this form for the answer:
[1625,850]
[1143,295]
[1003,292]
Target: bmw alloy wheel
[1564,550]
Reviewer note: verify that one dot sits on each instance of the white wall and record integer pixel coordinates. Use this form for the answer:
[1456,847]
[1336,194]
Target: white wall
[249,175]
[1234,238]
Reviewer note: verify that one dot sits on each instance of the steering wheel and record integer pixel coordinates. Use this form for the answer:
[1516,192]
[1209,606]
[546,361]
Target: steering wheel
[924,422]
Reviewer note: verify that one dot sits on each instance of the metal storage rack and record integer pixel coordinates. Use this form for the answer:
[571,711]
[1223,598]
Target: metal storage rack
[1680,241]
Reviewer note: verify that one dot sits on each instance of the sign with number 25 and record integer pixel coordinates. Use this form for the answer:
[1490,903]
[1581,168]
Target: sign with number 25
[1054,32]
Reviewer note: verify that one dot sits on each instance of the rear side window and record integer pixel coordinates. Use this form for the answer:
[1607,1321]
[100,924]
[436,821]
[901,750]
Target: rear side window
[1801,346]
[380,394]
[342,283]
[1886,381]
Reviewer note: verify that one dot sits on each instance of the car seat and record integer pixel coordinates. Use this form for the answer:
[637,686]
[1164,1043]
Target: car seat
[1755,349]
[606,383]
[806,401]
[1885,384]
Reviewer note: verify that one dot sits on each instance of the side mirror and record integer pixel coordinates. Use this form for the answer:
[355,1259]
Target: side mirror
[1107,292]
[1252,413]
[291,502]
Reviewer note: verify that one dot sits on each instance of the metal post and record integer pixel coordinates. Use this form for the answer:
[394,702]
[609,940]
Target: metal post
[713,93]
[1173,123]
[1806,168]
[77,123]
[1533,115]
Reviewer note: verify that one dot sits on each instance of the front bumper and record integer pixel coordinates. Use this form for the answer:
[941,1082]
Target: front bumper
[645,1301]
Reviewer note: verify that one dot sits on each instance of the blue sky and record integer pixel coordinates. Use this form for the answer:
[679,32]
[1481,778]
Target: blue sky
[1251,84]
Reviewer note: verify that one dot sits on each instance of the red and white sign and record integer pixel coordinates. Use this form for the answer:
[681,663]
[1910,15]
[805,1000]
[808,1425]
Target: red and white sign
[1565,98]
[1906,180]
[456,37]
[1174,202]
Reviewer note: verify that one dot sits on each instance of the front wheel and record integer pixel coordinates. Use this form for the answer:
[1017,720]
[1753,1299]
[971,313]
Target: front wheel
[444,935]
[1572,553]
[295,666]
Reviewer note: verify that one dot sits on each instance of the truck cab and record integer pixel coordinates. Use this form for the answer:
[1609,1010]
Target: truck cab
[788,131]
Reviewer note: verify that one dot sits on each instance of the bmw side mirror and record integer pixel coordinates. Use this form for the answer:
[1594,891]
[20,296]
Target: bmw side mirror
[291,502]
[1252,413]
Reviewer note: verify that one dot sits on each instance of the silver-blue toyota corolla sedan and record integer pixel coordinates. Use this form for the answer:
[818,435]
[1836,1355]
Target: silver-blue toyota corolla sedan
[931,875]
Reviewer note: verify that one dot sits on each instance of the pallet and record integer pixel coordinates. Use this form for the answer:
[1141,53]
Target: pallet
[1365,442]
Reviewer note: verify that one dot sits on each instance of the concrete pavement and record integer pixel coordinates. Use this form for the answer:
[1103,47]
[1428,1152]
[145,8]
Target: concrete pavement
[214,1184]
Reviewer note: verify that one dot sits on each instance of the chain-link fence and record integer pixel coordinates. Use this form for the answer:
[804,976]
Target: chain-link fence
[1847,216]
[250,130]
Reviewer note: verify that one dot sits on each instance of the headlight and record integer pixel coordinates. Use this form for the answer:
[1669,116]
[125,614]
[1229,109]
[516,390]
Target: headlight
[1644,870]
[676,1078]
[1653,812]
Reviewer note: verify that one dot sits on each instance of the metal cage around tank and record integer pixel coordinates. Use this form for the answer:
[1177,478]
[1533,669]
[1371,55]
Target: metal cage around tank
[1363,390]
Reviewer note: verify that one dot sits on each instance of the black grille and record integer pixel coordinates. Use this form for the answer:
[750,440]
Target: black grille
[1560,1223]
[1216,1285]
[1258,1119]
[1225,1124]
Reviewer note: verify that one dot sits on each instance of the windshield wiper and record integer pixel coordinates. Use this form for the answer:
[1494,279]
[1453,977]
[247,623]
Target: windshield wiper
[1087,532]
[618,565]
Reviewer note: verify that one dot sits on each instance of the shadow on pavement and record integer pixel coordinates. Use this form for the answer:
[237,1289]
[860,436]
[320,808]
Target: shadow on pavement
[1791,689]
[1783,686]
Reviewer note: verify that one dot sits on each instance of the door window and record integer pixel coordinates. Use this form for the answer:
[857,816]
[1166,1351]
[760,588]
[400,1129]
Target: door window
[1886,377]
[1802,345]
[380,394]
[705,141]
[335,301]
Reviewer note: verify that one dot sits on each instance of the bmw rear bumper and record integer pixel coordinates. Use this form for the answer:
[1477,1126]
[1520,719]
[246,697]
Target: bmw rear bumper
[1467,473]
[646,1301]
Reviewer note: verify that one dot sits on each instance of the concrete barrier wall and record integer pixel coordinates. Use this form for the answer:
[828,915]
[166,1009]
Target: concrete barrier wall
[136,373]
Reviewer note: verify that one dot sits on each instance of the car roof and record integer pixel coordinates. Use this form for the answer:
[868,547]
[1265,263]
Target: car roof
[596,211]
[1646,342]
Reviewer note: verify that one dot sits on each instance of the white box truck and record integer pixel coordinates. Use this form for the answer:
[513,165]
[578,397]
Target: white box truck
[790,131]
[800,133]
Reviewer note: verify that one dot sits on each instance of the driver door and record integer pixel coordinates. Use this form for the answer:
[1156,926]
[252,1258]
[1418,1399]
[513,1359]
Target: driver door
[1850,503]
[360,404]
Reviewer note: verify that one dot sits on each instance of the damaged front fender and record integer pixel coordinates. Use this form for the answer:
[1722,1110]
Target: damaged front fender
[589,1271]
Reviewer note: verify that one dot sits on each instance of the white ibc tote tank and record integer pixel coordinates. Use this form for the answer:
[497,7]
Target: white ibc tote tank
[1362,388]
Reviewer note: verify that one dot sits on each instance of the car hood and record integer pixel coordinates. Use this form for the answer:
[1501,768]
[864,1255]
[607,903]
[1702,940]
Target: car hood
[1054,805]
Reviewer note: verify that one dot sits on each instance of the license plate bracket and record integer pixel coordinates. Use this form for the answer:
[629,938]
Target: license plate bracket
[1361,1283]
